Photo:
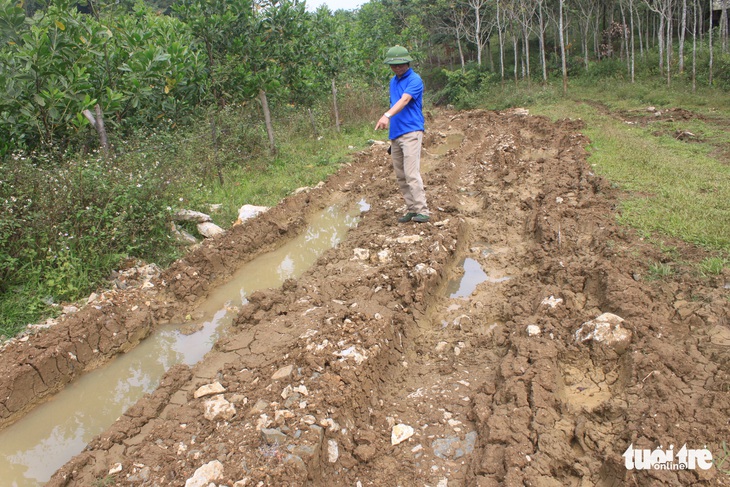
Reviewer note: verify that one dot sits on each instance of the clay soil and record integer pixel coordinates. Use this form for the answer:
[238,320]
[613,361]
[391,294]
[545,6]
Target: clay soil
[374,339]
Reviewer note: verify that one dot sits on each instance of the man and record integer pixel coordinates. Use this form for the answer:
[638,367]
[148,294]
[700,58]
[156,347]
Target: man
[405,118]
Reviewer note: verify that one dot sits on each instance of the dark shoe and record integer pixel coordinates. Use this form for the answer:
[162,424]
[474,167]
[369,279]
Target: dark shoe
[420,218]
[407,217]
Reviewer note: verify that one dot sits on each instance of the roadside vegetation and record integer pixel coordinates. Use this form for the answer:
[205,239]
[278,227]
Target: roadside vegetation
[215,103]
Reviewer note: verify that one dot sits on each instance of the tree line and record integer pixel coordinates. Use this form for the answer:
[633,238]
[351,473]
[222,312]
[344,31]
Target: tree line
[150,64]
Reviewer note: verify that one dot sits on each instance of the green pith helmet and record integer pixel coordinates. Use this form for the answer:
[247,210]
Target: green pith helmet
[397,55]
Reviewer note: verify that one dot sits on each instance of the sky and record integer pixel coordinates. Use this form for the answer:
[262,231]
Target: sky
[312,5]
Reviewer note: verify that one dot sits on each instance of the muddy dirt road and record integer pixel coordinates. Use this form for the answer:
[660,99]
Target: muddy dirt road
[462,352]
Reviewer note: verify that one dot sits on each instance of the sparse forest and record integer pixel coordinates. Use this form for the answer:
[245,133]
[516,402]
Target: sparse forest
[115,112]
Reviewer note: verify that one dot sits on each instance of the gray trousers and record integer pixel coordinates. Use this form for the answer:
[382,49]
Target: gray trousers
[406,154]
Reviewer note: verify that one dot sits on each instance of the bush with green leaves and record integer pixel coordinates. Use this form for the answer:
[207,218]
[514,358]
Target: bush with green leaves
[139,67]
[64,227]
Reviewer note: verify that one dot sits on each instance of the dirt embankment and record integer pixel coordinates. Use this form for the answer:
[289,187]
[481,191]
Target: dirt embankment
[373,369]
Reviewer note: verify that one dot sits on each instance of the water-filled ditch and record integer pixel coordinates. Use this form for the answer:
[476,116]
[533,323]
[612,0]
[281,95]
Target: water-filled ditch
[32,449]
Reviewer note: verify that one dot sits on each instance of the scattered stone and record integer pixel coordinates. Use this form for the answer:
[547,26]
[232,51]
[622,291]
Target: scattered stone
[70,309]
[351,352]
[209,390]
[552,301]
[443,483]
[242,483]
[115,469]
[400,433]
[247,212]
[259,407]
[425,269]
[408,239]
[441,347]
[209,229]
[141,475]
[206,474]
[190,216]
[384,255]
[283,372]
[607,330]
[361,254]
[533,330]
[453,447]
[273,436]
[333,451]
[218,408]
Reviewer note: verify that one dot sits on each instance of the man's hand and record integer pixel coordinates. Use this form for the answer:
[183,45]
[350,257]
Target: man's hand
[382,123]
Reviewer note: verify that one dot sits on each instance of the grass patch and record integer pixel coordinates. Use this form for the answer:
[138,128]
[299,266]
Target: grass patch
[677,188]
[713,266]
[660,270]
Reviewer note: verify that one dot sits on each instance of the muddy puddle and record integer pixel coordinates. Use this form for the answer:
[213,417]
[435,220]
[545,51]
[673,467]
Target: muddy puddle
[32,449]
[473,275]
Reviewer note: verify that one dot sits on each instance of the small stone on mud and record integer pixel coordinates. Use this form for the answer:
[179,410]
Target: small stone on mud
[115,469]
[209,390]
[607,330]
[400,433]
[273,436]
[206,474]
[552,301]
[333,451]
[533,330]
[441,347]
[408,239]
[209,229]
[218,408]
[283,372]
[361,254]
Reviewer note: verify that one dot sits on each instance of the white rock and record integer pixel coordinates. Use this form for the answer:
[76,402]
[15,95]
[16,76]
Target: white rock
[361,254]
[190,216]
[552,301]
[247,212]
[400,433]
[607,330]
[217,408]
[533,330]
[384,255]
[209,229]
[408,239]
[333,451]
[209,390]
[283,372]
[441,347]
[206,474]
[425,269]
[115,469]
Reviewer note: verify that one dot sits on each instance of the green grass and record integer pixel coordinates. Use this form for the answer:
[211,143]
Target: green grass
[674,187]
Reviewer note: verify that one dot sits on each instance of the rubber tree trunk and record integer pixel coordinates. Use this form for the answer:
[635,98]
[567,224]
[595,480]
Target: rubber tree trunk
[334,105]
[562,51]
[267,119]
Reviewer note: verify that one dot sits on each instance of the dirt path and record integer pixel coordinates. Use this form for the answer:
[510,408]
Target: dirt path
[499,384]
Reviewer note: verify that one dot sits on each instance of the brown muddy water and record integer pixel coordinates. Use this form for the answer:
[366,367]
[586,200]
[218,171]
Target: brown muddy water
[32,449]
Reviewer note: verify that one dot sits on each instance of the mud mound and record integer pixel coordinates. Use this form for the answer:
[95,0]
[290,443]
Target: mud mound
[459,352]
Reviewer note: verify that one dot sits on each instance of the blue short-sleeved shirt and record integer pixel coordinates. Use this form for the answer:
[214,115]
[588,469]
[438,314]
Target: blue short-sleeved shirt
[410,118]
